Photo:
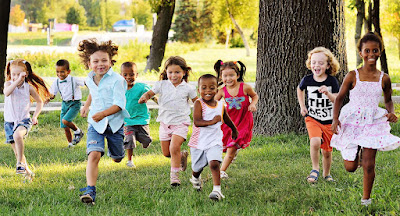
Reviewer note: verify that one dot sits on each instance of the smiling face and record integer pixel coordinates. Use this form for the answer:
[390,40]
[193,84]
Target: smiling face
[129,75]
[208,88]
[370,52]
[229,77]
[319,65]
[175,74]
[100,63]
[62,72]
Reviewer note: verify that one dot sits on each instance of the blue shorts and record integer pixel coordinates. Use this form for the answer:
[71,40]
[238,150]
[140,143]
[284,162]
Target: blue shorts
[9,128]
[115,142]
[69,110]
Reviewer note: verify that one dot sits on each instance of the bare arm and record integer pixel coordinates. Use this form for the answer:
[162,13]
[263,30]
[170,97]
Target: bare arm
[85,109]
[228,121]
[248,90]
[331,96]
[387,94]
[100,115]
[9,87]
[219,95]
[195,99]
[302,101]
[146,96]
[39,104]
[198,120]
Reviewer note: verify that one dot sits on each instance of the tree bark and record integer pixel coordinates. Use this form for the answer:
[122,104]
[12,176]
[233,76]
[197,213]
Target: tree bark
[4,19]
[360,6]
[287,31]
[246,44]
[377,26]
[160,35]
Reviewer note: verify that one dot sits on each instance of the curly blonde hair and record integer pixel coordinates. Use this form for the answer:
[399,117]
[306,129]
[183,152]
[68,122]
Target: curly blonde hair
[90,46]
[332,61]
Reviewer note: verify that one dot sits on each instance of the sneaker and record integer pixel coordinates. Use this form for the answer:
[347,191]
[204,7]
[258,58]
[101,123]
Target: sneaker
[216,196]
[184,155]
[70,145]
[77,138]
[130,164]
[366,202]
[174,179]
[223,175]
[196,182]
[89,194]
[21,168]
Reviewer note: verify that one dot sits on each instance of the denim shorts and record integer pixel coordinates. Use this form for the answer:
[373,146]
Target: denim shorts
[9,128]
[69,110]
[115,142]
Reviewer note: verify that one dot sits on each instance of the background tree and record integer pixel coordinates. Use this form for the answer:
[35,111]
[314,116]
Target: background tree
[359,5]
[76,15]
[4,19]
[186,23]
[17,16]
[287,31]
[392,19]
[141,11]
[165,11]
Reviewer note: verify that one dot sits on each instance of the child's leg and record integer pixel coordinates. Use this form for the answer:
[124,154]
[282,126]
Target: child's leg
[315,145]
[175,150]
[165,148]
[368,164]
[215,171]
[70,124]
[352,166]
[326,162]
[130,153]
[68,134]
[230,154]
[19,134]
[92,168]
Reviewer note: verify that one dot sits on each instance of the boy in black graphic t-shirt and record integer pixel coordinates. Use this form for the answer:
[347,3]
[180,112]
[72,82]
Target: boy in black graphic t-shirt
[321,89]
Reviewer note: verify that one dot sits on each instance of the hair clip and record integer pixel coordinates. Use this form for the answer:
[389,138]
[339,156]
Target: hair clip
[24,61]
[234,62]
[11,61]
[222,63]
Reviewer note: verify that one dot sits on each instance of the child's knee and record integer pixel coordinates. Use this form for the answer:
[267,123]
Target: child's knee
[351,167]
[65,122]
[315,142]
[214,165]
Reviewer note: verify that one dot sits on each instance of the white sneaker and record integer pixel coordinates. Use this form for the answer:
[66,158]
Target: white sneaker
[216,196]
[197,184]
[130,164]
[224,175]
[366,202]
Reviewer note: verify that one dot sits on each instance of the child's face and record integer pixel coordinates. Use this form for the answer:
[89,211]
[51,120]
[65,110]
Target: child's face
[370,52]
[100,62]
[229,77]
[175,74]
[62,72]
[16,71]
[208,88]
[319,64]
[129,75]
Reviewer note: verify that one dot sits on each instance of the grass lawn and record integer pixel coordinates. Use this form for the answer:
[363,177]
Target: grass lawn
[267,178]
[39,38]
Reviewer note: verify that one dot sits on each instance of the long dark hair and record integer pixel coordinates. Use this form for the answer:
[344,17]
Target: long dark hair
[220,66]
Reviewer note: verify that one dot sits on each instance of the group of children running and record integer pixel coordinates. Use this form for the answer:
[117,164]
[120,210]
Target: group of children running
[116,110]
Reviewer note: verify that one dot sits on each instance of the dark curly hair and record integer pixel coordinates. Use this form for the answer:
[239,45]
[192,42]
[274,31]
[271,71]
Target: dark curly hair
[90,46]
[370,36]
[220,66]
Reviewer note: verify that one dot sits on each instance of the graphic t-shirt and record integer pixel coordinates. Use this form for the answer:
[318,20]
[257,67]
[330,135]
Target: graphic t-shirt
[318,104]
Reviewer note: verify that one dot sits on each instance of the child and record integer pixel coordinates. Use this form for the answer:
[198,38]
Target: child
[236,94]
[321,89]
[21,84]
[137,126]
[174,111]
[107,110]
[362,125]
[206,141]
[71,95]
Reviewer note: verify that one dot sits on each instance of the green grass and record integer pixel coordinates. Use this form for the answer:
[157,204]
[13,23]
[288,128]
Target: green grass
[39,38]
[268,178]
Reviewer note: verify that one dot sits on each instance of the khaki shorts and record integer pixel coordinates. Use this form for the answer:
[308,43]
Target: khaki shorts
[324,132]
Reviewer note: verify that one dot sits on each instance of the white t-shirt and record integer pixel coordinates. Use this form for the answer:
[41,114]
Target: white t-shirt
[173,101]
[65,88]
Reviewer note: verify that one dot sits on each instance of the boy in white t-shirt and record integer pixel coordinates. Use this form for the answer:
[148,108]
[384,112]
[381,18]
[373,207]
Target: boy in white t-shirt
[71,94]
[206,140]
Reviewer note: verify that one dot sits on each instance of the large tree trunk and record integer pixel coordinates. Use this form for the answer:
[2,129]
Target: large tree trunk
[246,44]
[160,35]
[360,6]
[377,25]
[4,18]
[287,31]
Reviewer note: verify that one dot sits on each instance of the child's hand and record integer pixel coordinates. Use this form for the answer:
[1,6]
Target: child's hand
[252,108]
[98,116]
[217,119]
[323,89]
[235,134]
[84,112]
[334,126]
[143,99]
[34,121]
[391,117]
[303,111]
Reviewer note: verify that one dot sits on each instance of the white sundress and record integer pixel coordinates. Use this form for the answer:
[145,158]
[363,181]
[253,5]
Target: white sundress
[363,122]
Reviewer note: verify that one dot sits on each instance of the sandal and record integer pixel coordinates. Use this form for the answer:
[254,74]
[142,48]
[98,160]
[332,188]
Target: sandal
[314,178]
[329,178]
